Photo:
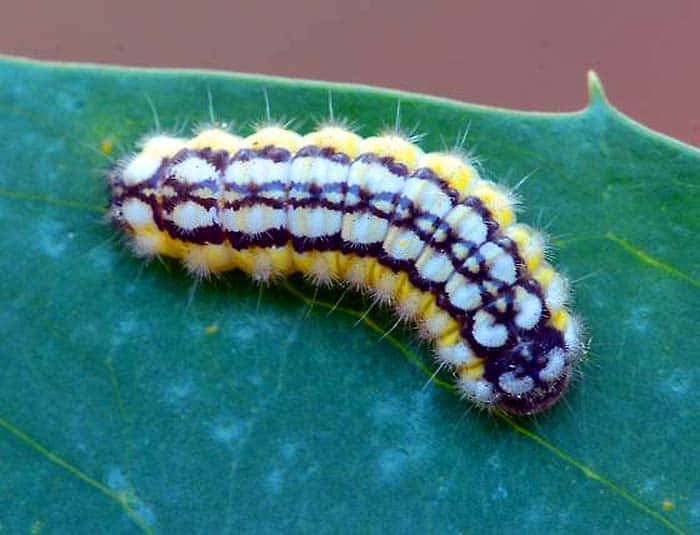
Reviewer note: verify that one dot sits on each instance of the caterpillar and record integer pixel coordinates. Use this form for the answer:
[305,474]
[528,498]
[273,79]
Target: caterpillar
[421,231]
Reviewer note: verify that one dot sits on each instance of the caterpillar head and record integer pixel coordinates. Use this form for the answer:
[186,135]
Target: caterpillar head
[532,375]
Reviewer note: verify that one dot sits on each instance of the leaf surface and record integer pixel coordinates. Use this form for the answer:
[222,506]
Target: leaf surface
[133,400]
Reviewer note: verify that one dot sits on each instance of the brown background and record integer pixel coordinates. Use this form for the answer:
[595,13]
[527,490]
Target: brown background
[527,55]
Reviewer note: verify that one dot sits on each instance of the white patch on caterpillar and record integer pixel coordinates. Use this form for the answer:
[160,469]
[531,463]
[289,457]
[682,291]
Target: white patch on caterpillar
[403,244]
[318,172]
[467,224]
[556,360]
[137,213]
[487,332]
[189,216]
[193,170]
[529,308]
[514,385]
[337,173]
[503,268]
[263,171]
[237,173]
[463,294]
[379,179]
[300,169]
[258,172]
[314,222]
[490,251]
[253,219]
[363,228]
[434,266]
[427,196]
[356,177]
[140,168]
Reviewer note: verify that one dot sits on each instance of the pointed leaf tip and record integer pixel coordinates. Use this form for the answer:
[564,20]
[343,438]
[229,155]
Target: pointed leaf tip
[596,93]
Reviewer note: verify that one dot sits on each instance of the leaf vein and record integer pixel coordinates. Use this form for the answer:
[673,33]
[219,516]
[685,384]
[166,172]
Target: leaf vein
[645,258]
[76,472]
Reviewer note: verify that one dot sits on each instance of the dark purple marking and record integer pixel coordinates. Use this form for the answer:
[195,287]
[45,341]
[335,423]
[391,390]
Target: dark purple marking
[526,357]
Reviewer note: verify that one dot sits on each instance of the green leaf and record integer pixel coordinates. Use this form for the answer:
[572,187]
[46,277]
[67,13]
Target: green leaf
[132,399]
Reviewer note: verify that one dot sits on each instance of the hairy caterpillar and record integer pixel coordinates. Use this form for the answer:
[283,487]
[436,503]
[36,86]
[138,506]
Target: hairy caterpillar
[421,231]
